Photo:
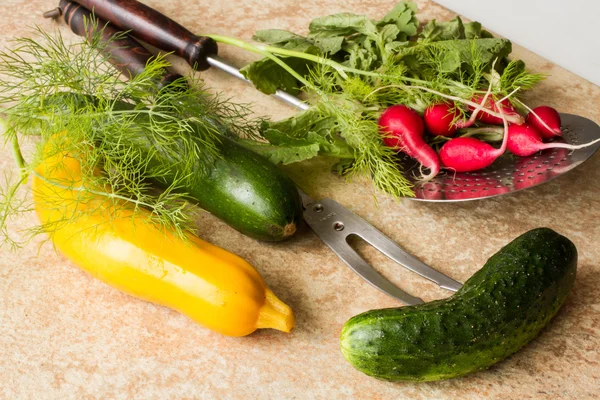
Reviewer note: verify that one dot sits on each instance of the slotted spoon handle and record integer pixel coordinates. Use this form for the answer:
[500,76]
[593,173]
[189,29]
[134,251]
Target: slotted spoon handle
[126,54]
[154,28]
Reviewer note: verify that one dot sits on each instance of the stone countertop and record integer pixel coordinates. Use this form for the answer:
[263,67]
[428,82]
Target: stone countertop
[66,335]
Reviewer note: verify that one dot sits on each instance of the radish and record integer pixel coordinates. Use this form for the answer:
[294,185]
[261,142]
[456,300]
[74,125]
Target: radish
[465,154]
[525,140]
[403,130]
[546,120]
[439,119]
[511,114]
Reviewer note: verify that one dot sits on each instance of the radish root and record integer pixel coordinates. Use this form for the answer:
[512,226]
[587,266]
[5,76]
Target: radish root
[558,145]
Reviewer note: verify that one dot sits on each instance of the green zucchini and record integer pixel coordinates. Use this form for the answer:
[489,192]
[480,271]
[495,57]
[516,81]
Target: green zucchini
[241,187]
[499,309]
[250,194]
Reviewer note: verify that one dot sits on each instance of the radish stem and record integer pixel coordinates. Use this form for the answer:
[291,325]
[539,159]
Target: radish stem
[263,50]
[475,131]
[475,112]
[16,149]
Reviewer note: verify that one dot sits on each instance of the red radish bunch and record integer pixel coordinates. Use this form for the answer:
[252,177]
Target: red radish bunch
[403,129]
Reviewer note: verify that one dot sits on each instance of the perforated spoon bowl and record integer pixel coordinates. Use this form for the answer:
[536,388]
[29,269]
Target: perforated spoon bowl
[509,173]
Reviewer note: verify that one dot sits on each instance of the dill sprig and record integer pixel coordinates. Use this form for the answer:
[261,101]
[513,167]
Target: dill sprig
[129,136]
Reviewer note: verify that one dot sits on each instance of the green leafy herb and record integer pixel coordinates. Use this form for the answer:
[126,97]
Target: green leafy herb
[452,30]
[302,137]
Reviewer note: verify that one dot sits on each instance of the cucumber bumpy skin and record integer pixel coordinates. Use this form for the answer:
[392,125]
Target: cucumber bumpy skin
[499,309]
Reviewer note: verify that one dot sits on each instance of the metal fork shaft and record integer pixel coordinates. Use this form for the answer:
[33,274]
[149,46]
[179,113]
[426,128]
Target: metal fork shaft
[219,63]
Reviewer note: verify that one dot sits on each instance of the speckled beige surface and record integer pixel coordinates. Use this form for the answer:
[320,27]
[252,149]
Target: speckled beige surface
[64,335]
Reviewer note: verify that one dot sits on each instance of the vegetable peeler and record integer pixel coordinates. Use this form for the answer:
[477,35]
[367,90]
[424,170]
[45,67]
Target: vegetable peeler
[332,222]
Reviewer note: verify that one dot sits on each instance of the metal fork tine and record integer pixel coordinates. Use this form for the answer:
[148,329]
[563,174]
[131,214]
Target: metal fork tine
[356,263]
[391,249]
[334,223]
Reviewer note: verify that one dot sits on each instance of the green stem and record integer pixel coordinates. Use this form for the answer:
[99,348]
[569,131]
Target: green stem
[269,51]
[264,49]
[96,192]
[17,154]
[476,131]
[16,150]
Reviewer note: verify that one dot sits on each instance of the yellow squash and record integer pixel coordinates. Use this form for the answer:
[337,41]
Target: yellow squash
[215,288]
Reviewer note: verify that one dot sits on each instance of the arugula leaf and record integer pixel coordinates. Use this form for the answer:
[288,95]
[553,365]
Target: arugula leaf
[403,15]
[451,30]
[267,76]
[473,31]
[301,137]
[286,153]
[488,49]
[389,33]
[343,24]
[276,36]
[296,126]
[361,58]
[329,45]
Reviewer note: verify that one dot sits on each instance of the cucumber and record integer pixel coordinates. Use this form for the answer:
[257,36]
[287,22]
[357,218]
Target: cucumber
[499,309]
